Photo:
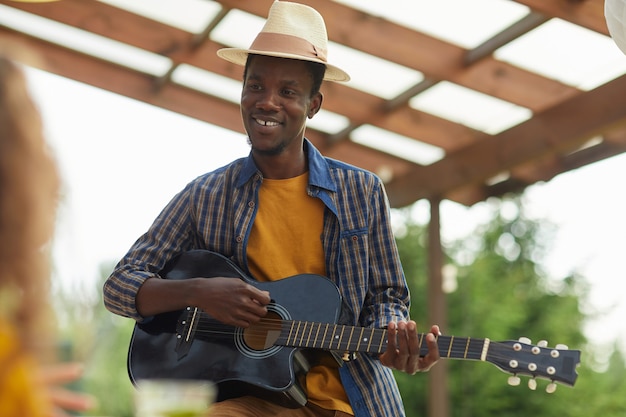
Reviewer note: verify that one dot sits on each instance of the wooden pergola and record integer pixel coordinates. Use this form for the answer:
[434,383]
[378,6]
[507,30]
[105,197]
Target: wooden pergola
[569,127]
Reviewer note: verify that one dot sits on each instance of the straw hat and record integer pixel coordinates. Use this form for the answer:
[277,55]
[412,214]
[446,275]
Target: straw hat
[292,30]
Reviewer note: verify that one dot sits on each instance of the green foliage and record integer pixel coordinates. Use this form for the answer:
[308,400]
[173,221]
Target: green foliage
[106,374]
[502,294]
[100,340]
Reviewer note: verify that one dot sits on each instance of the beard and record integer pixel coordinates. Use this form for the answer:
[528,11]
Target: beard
[276,150]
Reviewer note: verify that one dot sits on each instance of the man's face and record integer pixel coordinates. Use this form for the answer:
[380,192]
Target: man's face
[275,103]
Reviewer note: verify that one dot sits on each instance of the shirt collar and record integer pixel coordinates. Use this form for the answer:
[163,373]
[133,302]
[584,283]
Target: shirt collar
[319,172]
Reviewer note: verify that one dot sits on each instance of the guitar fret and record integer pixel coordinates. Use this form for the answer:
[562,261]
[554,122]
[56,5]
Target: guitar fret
[317,333]
[302,333]
[332,337]
[349,343]
[343,328]
[369,344]
[297,335]
[308,339]
[358,345]
[450,346]
[325,332]
[383,336]
[289,333]
[466,348]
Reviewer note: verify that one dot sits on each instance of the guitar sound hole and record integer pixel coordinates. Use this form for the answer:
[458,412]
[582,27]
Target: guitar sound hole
[263,335]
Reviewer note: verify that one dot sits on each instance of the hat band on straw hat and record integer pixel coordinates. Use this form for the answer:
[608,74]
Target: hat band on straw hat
[287,44]
[292,31]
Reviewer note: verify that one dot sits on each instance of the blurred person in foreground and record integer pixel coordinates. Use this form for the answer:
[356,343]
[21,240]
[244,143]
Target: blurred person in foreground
[31,381]
[285,210]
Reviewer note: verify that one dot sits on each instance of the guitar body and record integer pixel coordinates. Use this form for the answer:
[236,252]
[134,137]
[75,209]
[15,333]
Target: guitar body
[212,351]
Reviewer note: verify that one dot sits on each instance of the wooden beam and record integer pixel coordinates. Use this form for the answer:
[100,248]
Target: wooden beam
[438,387]
[588,13]
[558,129]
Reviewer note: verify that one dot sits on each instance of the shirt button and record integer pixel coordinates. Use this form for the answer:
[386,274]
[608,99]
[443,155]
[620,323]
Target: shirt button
[239,239]
[251,204]
[355,238]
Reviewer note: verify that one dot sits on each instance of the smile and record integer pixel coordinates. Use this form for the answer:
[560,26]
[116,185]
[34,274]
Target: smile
[266,122]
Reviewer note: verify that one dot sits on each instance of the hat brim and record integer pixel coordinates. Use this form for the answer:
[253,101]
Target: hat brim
[239,56]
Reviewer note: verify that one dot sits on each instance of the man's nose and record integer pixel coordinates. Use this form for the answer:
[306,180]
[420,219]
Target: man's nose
[270,100]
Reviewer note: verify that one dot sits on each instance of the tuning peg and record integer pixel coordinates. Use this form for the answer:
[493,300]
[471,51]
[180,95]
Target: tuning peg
[514,380]
[532,384]
[542,343]
[551,387]
[525,340]
[561,346]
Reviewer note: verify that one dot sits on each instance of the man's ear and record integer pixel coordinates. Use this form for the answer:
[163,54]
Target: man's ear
[316,105]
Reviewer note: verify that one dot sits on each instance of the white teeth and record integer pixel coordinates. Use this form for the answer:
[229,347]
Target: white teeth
[266,123]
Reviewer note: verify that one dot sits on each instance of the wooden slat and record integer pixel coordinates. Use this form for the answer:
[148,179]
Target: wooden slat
[586,13]
[558,129]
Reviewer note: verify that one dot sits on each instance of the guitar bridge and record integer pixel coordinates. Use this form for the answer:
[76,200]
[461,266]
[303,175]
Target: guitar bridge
[186,330]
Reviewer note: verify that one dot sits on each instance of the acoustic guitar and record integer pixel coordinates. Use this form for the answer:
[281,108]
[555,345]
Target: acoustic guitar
[302,328]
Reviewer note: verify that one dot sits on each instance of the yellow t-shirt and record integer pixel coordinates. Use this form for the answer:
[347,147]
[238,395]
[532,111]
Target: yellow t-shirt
[20,394]
[285,241]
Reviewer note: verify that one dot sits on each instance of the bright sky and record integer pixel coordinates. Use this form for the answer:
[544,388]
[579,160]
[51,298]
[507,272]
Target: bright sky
[123,160]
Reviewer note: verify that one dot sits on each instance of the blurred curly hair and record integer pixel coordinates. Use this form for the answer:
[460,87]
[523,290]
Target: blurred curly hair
[29,194]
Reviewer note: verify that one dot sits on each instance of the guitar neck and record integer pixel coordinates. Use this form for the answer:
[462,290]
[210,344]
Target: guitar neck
[342,338]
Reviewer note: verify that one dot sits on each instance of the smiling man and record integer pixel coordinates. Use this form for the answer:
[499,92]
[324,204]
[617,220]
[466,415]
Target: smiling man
[283,211]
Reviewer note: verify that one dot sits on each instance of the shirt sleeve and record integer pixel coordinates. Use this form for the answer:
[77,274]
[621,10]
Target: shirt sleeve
[169,234]
[388,298]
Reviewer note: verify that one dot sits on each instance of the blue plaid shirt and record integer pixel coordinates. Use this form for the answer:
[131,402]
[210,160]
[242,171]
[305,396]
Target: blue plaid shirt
[216,212]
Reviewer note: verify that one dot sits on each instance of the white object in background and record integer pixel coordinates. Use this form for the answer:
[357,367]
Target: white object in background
[615,13]
[174,398]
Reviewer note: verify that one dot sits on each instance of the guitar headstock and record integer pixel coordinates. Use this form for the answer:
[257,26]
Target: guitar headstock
[557,364]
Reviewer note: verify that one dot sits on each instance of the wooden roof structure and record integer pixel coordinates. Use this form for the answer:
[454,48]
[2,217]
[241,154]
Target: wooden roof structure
[568,127]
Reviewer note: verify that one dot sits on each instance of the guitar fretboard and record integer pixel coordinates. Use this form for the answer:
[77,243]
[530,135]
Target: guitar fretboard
[342,338]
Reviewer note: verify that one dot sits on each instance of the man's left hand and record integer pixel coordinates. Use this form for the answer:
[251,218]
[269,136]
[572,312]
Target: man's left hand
[403,348]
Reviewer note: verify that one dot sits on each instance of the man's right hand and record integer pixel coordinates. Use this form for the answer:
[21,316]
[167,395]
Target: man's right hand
[231,301]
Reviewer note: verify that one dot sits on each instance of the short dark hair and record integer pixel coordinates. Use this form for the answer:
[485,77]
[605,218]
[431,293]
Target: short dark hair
[315,69]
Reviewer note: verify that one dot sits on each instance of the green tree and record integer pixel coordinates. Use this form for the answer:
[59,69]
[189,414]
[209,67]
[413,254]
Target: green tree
[502,293]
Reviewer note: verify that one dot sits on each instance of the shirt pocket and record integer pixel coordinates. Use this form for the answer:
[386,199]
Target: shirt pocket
[354,264]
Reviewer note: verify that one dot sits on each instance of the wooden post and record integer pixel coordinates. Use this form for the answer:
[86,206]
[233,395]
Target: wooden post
[438,395]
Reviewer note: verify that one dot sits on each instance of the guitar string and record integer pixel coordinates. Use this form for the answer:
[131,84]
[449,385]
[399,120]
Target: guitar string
[260,330]
[269,324]
[454,353]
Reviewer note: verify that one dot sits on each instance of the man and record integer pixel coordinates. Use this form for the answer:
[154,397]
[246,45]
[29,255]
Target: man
[282,211]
